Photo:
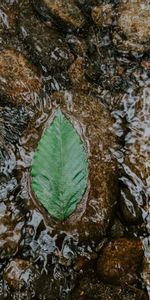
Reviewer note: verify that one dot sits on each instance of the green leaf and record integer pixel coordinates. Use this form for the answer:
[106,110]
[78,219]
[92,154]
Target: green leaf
[60,168]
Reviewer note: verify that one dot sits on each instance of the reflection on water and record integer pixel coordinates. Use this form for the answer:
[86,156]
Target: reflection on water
[134,158]
[92,59]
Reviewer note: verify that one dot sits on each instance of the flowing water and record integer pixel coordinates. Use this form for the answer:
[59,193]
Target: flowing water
[91,59]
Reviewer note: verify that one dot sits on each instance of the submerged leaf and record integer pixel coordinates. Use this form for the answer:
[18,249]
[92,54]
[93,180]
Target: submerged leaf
[60,168]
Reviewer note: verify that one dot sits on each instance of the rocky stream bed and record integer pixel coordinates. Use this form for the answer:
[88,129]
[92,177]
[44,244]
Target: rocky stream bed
[91,58]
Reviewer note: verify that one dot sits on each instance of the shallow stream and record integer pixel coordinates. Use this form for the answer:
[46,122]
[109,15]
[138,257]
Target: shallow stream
[91,59]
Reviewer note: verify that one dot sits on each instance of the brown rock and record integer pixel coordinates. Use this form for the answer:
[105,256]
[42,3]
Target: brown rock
[47,47]
[117,229]
[17,273]
[77,44]
[90,288]
[76,73]
[63,11]
[83,262]
[146,263]
[102,15]
[93,214]
[11,224]
[8,16]
[19,80]
[146,64]
[133,20]
[120,261]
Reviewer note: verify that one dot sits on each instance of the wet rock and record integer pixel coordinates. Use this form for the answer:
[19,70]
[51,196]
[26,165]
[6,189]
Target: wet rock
[8,185]
[146,64]
[133,21]
[120,261]
[105,73]
[7,165]
[38,243]
[11,224]
[146,263]
[135,163]
[129,208]
[102,15]
[12,123]
[77,45]
[86,6]
[92,216]
[8,16]
[17,273]
[90,288]
[117,229]
[83,262]
[65,13]
[46,46]
[57,284]
[102,67]
[19,81]
[76,73]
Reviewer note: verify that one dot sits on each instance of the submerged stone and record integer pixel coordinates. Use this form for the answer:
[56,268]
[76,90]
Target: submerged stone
[13,121]
[19,80]
[11,224]
[77,76]
[129,207]
[65,12]
[8,16]
[89,287]
[102,15]
[136,159]
[120,261]
[46,46]
[133,26]
[17,273]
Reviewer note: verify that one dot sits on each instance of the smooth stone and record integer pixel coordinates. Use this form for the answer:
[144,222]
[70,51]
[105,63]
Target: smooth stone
[86,6]
[77,44]
[90,288]
[11,224]
[133,22]
[117,229]
[46,46]
[65,12]
[120,261]
[130,209]
[77,76]
[17,273]
[19,80]
[8,16]
[102,15]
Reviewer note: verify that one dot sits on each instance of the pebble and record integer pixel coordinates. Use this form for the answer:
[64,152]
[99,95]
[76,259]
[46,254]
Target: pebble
[133,26]
[89,287]
[77,77]
[11,224]
[17,273]
[19,80]
[65,12]
[102,15]
[120,261]
[46,46]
